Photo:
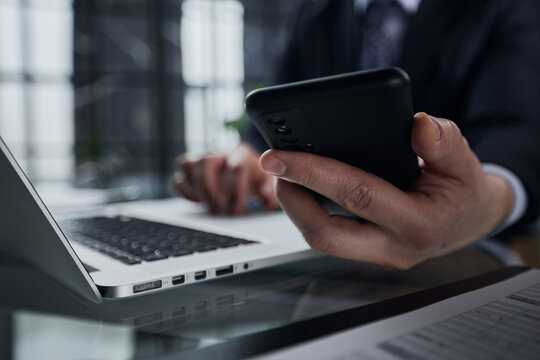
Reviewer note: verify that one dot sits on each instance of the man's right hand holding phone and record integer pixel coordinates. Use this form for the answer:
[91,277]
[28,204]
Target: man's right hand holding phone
[453,202]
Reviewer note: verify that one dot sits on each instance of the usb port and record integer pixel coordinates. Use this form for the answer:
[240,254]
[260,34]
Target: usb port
[177,280]
[151,285]
[224,271]
[200,275]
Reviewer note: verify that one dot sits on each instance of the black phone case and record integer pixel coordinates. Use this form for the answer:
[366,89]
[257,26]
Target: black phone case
[363,119]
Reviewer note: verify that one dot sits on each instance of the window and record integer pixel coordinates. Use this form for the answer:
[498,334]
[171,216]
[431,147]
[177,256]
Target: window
[106,93]
[36,97]
[129,95]
[213,71]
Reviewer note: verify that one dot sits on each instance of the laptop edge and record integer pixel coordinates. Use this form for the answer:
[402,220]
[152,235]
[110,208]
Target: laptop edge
[25,217]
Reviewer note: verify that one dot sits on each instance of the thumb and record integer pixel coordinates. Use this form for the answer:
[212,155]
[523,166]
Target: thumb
[441,145]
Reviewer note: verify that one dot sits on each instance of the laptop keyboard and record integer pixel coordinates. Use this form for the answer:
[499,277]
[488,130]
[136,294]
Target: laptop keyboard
[133,241]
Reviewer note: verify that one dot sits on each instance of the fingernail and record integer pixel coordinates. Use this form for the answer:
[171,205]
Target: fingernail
[274,166]
[436,125]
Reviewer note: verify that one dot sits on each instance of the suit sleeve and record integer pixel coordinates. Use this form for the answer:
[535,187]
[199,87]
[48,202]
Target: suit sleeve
[503,111]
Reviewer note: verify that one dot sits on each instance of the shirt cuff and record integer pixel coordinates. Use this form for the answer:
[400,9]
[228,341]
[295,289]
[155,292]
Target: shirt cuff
[518,190]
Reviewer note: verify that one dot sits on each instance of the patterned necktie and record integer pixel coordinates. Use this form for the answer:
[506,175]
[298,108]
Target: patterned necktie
[384,25]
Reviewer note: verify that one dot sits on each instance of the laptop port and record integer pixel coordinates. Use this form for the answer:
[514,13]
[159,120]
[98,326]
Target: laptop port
[177,280]
[151,285]
[224,271]
[200,275]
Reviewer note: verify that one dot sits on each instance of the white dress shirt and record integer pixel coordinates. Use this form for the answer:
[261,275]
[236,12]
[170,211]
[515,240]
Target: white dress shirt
[520,195]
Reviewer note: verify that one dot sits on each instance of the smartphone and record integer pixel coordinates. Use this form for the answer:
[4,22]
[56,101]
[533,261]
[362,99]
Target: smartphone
[363,119]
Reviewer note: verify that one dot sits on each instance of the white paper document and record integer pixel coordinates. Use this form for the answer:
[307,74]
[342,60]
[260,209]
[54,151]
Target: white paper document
[500,321]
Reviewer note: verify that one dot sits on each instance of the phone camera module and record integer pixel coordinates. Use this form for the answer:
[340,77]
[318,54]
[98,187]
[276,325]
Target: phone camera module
[283,130]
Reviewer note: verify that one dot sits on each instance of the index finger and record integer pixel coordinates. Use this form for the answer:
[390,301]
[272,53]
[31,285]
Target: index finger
[363,193]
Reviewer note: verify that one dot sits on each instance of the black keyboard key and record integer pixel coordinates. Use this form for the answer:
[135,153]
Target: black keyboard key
[177,252]
[224,246]
[205,248]
[141,252]
[153,256]
[246,242]
[126,259]
[129,261]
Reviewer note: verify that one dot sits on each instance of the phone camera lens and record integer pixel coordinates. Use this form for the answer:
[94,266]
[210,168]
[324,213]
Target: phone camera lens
[283,130]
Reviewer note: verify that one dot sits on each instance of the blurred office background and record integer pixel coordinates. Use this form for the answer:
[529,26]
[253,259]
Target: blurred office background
[105,93]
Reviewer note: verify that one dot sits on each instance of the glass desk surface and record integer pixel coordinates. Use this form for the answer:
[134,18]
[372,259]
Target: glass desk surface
[39,319]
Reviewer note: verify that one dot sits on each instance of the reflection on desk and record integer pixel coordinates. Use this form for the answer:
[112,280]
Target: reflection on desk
[40,319]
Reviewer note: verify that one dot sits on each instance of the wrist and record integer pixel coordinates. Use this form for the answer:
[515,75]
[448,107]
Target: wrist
[500,201]
[519,194]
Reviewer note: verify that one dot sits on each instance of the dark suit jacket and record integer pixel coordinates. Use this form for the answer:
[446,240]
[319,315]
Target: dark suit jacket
[476,62]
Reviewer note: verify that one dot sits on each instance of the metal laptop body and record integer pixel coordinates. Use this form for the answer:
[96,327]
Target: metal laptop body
[29,231]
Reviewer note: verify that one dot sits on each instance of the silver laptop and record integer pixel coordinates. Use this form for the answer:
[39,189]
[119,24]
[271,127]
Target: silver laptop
[140,247]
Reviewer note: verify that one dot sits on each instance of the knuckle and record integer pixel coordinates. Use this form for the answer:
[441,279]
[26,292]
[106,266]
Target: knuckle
[453,127]
[355,195]
[404,261]
[426,238]
[185,190]
[421,243]
[180,160]
[177,183]
[214,158]
[317,240]
[235,173]
[236,168]
[415,244]
[207,165]
[186,165]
